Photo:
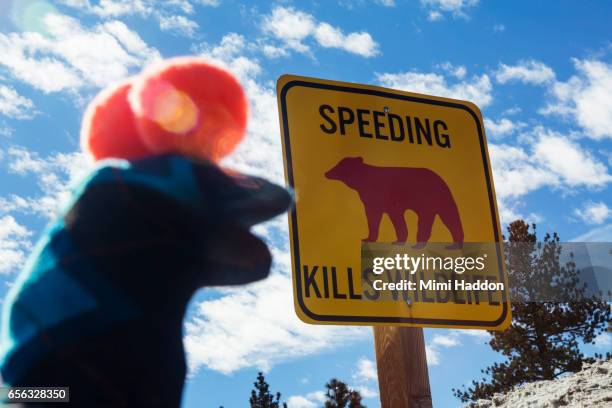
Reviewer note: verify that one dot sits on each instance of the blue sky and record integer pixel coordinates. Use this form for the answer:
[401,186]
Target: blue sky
[540,71]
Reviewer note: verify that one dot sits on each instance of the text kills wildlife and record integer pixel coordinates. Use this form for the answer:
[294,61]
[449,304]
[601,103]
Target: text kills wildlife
[327,282]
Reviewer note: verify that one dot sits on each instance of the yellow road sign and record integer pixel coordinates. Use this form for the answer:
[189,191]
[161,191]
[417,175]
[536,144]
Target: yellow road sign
[370,166]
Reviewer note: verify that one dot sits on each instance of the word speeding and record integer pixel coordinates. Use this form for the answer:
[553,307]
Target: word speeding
[385,125]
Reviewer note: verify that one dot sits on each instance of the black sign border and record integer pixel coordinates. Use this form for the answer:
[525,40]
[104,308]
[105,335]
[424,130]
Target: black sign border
[293,212]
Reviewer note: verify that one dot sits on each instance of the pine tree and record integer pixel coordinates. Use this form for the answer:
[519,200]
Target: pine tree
[543,339]
[261,397]
[339,395]
[355,400]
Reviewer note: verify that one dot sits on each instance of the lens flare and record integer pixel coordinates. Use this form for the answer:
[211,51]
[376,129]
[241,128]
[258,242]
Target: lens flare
[173,110]
[188,106]
[29,15]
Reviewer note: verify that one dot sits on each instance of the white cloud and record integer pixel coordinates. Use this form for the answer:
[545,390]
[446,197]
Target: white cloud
[445,341]
[292,27]
[117,8]
[70,56]
[54,175]
[231,54]
[366,371]
[231,46]
[450,339]
[586,97]
[144,8]
[574,165]
[311,400]
[83,4]
[604,341]
[498,28]
[14,105]
[22,161]
[179,24]
[298,401]
[182,5]
[548,159]
[477,89]
[457,8]
[364,380]
[594,212]
[350,4]
[527,72]
[511,209]
[512,111]
[433,355]
[599,234]
[478,335]
[516,173]
[272,51]
[433,349]
[14,244]
[458,71]
[552,160]
[435,15]
[164,11]
[502,127]
[47,74]
[5,130]
[366,391]
[360,43]
[256,326]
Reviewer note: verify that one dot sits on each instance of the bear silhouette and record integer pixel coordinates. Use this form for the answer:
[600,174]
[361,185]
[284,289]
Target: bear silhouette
[393,190]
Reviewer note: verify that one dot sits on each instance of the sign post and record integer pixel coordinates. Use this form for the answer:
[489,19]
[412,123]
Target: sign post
[395,222]
[401,361]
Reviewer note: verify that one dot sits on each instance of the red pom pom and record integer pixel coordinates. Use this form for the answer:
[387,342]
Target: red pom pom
[109,129]
[188,106]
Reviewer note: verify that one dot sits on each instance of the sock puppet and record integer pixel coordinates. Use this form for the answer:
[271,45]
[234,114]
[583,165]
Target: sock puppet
[99,306]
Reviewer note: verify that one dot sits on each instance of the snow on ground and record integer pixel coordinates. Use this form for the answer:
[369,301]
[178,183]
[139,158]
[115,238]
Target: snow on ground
[591,387]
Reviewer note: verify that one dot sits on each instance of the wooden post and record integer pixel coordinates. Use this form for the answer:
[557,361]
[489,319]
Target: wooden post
[403,378]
